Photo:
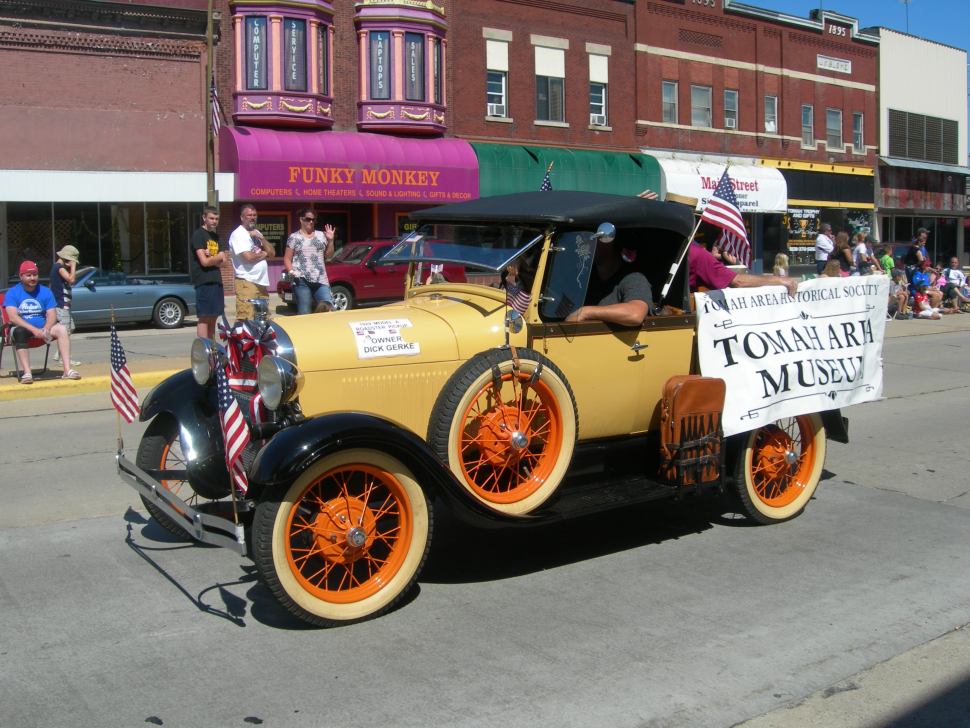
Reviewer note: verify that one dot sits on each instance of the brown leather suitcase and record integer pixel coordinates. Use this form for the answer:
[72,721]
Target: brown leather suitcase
[691,451]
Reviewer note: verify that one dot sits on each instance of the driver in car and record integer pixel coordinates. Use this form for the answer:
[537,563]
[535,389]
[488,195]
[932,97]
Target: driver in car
[617,293]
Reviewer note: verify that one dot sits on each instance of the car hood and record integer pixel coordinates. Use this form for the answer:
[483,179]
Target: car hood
[420,330]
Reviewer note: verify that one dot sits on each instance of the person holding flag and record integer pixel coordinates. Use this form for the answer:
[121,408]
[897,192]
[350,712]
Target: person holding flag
[707,272]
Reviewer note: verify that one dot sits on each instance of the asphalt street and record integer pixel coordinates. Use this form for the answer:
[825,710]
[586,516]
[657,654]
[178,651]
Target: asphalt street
[675,614]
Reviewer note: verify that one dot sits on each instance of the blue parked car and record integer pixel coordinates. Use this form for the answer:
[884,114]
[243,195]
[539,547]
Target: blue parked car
[135,299]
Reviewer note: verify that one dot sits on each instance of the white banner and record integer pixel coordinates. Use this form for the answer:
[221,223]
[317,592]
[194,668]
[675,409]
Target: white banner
[782,356]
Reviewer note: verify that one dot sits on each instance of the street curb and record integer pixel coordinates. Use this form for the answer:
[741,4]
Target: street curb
[65,387]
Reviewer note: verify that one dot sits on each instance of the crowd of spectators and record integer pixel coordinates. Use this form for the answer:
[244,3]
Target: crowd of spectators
[919,289]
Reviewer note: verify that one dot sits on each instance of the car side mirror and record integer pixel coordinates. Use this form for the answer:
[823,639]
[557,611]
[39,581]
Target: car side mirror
[606,232]
[89,284]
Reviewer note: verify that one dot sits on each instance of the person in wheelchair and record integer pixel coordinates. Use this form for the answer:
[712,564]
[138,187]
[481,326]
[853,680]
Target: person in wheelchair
[617,293]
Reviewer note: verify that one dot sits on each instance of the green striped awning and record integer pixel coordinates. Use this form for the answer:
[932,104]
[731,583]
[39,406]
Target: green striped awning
[509,168]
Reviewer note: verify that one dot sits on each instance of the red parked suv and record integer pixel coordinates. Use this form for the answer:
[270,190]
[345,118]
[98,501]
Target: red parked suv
[357,280]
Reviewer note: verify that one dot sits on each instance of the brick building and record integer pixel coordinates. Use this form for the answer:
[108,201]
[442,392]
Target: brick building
[371,109]
[922,167]
[780,100]
[103,131]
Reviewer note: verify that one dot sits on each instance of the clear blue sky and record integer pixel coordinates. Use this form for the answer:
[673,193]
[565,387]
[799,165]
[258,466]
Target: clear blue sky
[945,21]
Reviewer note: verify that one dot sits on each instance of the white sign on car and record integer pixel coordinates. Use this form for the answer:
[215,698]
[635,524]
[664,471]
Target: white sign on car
[782,356]
[383,338]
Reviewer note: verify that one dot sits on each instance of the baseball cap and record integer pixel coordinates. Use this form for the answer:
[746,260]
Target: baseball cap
[28,266]
[69,252]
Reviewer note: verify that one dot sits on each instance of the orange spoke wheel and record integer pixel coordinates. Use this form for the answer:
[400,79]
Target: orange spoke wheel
[779,467]
[506,430]
[346,540]
[160,449]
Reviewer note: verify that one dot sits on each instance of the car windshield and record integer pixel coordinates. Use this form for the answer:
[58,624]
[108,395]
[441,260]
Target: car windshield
[487,247]
[353,253]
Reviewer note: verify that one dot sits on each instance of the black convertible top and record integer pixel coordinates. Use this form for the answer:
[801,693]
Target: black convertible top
[587,209]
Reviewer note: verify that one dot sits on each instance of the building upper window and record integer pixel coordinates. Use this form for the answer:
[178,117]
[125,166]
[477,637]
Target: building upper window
[414,66]
[599,76]
[256,45]
[670,102]
[283,63]
[808,125]
[550,78]
[700,105]
[833,129]
[917,136]
[858,140]
[730,109]
[497,78]
[380,64]
[771,114]
[597,104]
[436,70]
[294,55]
[323,59]
[402,64]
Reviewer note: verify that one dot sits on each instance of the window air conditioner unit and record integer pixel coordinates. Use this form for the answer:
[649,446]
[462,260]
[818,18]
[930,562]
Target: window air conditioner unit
[730,123]
[597,119]
[496,109]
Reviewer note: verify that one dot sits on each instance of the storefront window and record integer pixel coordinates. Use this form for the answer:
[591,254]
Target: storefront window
[256,52]
[29,236]
[166,232]
[380,64]
[127,236]
[294,54]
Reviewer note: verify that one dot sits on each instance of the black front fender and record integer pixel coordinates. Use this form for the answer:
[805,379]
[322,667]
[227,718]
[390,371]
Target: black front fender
[291,451]
[196,411]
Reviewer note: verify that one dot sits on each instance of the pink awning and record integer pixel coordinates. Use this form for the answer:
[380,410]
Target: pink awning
[355,167]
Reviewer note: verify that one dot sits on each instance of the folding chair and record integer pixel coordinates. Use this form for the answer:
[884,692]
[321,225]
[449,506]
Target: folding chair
[6,342]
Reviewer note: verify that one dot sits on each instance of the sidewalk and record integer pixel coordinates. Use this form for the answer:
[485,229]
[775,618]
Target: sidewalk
[96,376]
[146,373]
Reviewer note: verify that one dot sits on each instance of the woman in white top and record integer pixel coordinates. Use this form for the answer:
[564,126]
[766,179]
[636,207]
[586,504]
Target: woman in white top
[305,259]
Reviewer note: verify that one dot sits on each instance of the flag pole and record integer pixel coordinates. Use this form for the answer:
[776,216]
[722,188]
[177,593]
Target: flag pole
[680,259]
[121,442]
[212,195]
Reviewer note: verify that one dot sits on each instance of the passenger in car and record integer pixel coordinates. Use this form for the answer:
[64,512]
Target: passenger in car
[617,293]
[706,272]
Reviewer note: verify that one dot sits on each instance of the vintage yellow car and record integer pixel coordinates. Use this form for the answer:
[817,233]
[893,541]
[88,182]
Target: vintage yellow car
[480,397]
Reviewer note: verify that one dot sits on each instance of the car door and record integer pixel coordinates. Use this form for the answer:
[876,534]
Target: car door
[616,372]
[92,298]
[387,281]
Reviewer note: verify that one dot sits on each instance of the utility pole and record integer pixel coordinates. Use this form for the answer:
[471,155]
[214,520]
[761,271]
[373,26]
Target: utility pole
[906,3]
[212,196]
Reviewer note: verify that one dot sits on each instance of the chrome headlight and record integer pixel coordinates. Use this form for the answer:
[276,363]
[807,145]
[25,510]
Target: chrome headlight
[202,357]
[279,381]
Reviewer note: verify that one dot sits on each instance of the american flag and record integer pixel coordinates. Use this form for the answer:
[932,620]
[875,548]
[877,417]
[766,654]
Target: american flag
[517,297]
[235,431]
[728,242]
[123,394]
[722,210]
[546,185]
[216,109]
